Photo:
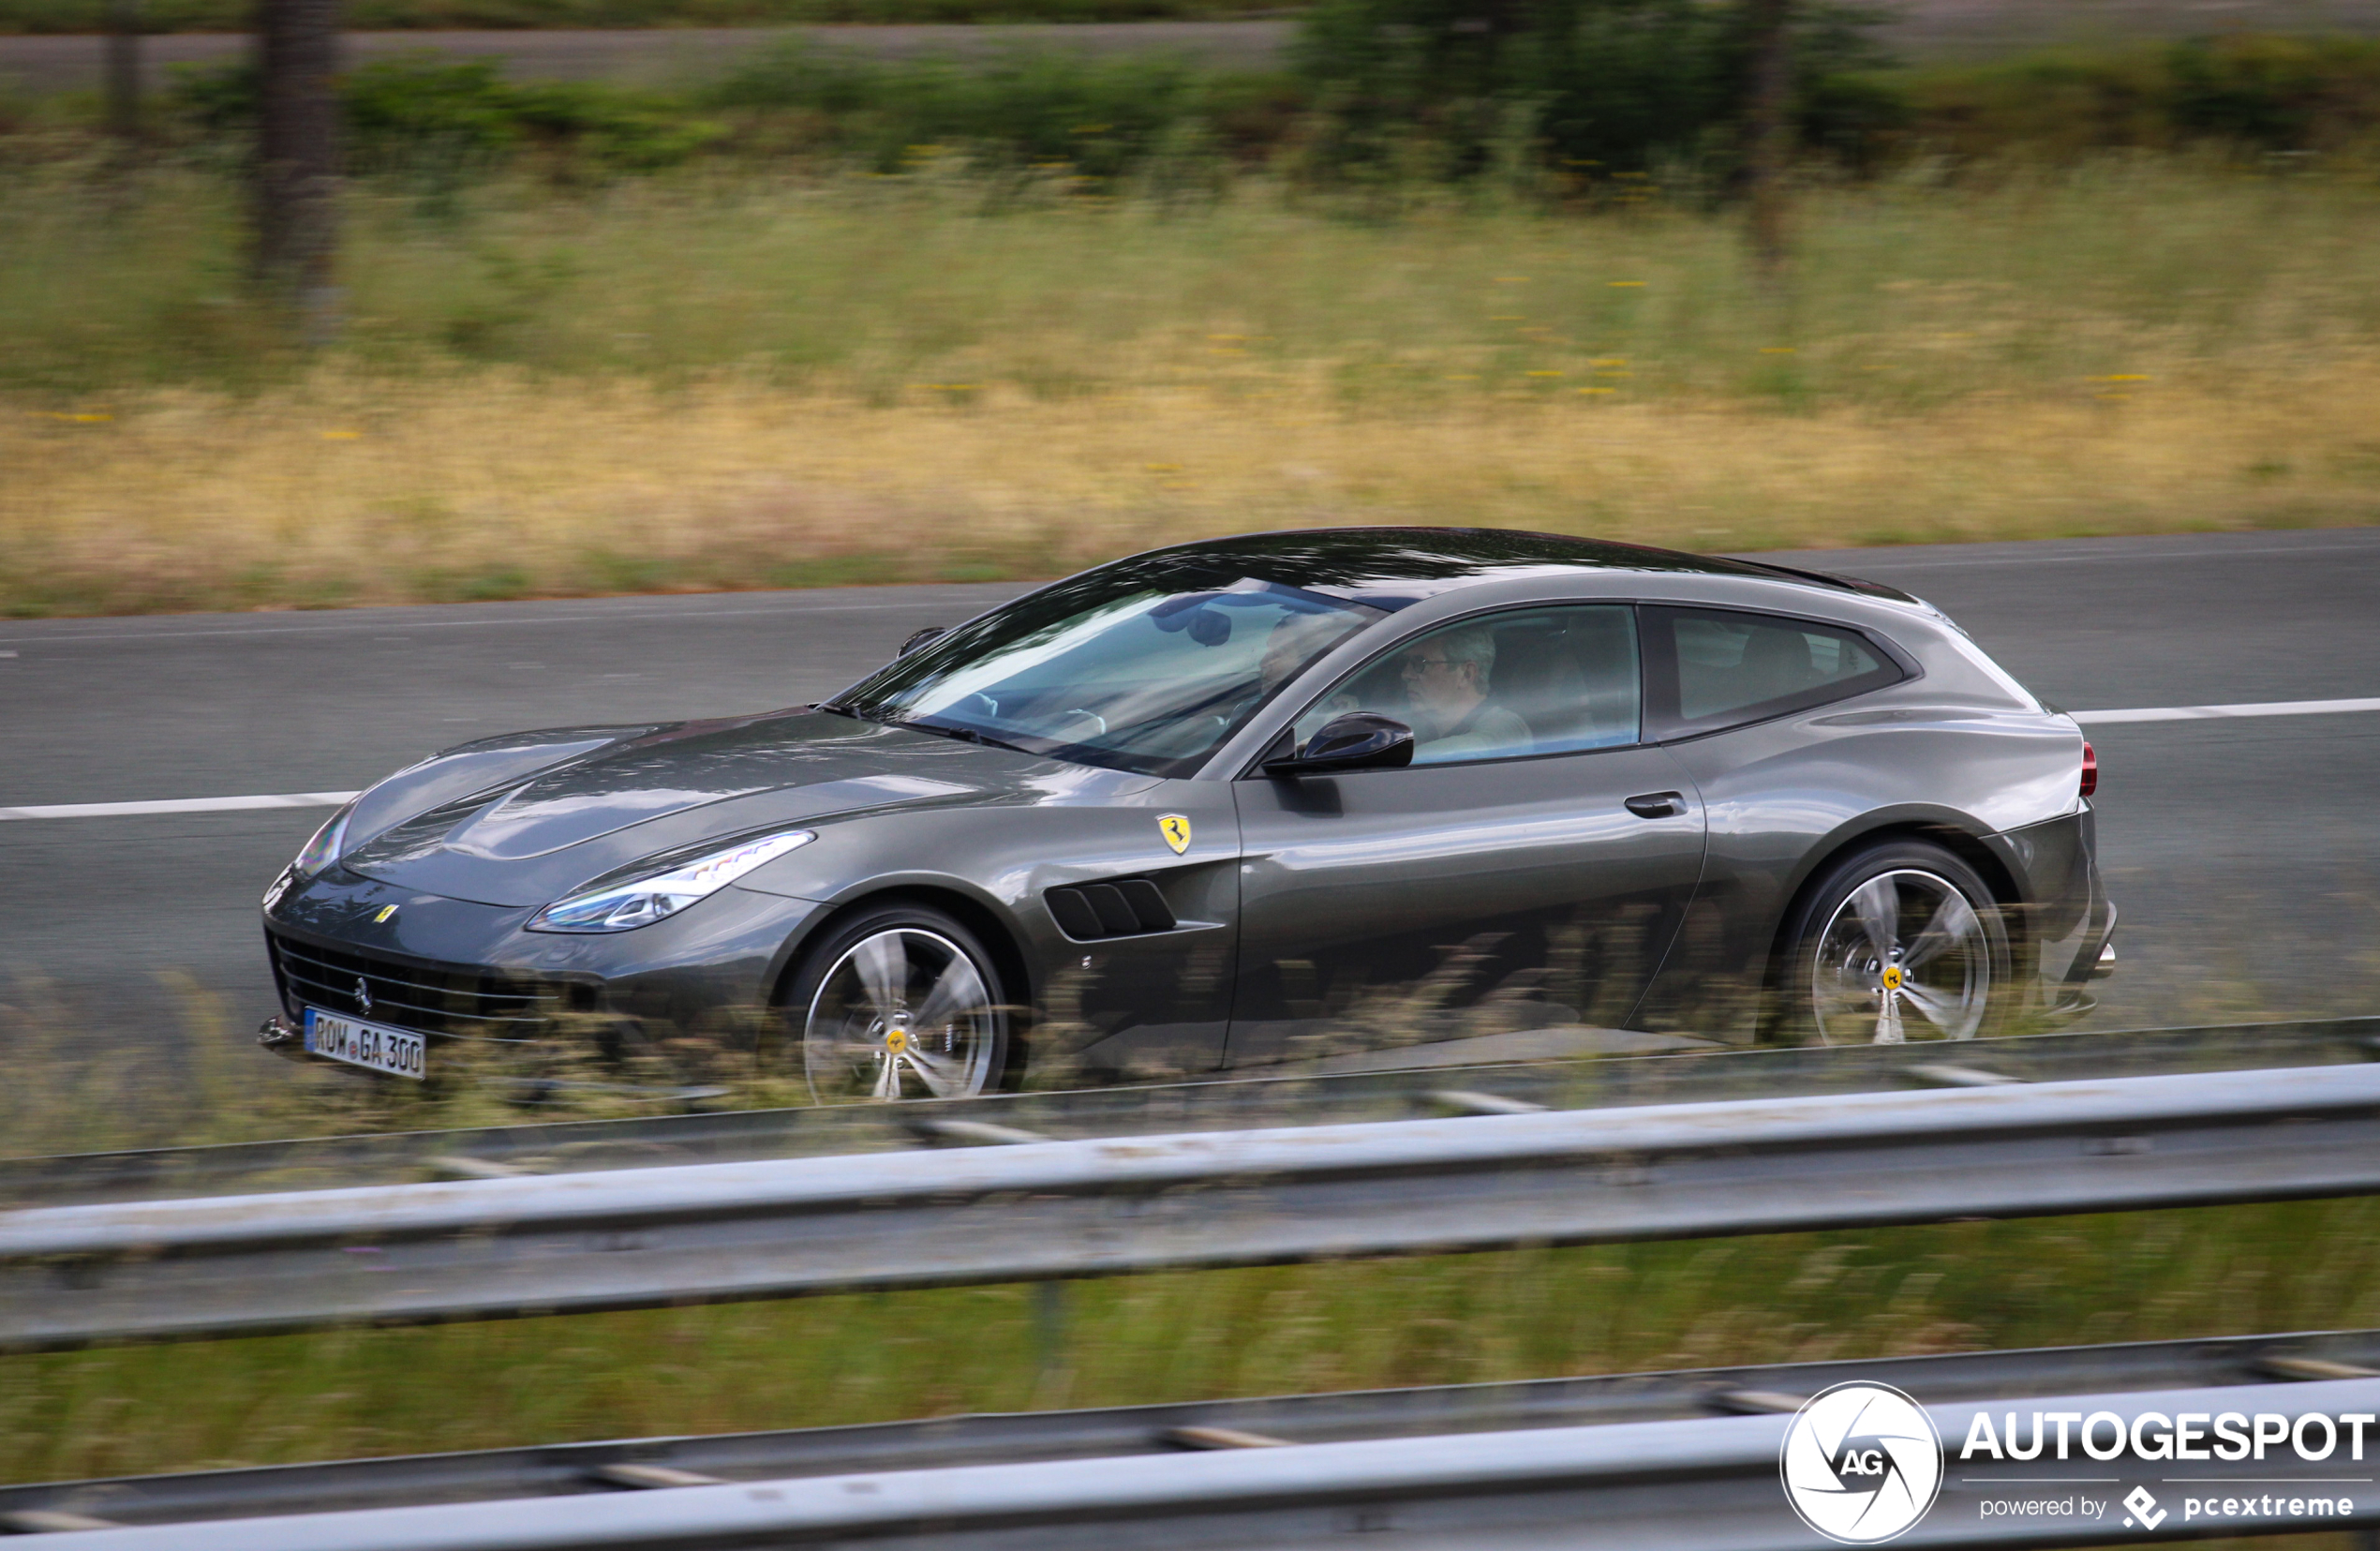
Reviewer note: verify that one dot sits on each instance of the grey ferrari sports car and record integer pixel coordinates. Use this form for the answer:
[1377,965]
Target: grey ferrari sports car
[1241,802]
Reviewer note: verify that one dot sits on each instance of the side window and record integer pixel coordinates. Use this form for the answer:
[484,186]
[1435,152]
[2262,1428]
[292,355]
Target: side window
[1718,668]
[1535,681]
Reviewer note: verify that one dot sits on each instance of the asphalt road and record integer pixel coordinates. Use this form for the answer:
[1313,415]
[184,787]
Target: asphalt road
[2245,854]
[1923,30]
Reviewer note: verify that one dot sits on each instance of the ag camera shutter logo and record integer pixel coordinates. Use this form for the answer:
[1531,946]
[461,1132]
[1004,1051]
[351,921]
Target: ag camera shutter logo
[1862,1463]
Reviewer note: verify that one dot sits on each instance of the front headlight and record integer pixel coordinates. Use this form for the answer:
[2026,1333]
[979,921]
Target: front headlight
[316,853]
[326,845]
[641,902]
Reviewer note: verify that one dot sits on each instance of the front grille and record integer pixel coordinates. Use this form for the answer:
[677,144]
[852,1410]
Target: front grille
[431,999]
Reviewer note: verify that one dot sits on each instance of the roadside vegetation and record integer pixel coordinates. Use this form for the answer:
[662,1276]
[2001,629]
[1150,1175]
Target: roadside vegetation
[823,320]
[705,381]
[826,319]
[165,15]
[1526,1313]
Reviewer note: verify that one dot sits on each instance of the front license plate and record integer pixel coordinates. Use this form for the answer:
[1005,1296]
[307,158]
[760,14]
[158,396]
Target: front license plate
[374,1046]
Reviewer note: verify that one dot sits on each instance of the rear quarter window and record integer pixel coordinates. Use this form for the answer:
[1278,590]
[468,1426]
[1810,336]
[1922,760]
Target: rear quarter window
[1711,670]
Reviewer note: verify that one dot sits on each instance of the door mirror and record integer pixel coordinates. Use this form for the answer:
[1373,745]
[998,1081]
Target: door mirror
[919,639]
[1360,740]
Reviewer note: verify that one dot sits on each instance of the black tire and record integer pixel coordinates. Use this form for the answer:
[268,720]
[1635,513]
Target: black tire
[1943,970]
[899,1000]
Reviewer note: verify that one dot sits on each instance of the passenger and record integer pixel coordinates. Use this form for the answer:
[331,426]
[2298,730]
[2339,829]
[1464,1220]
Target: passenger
[1445,680]
[1298,639]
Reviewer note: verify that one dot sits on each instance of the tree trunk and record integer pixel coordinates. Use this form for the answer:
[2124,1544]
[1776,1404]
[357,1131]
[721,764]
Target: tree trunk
[124,73]
[297,165]
[1769,132]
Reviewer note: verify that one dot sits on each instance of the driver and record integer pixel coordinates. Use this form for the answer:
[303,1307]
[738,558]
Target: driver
[1446,681]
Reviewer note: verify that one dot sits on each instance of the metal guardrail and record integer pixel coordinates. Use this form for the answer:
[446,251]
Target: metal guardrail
[1259,1098]
[1677,1485]
[482,1249]
[607,1469]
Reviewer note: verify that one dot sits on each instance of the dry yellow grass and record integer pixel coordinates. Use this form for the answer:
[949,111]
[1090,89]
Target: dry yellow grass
[356,489]
[772,381]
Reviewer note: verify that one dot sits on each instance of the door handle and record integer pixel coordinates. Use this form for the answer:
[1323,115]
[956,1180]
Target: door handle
[1657,805]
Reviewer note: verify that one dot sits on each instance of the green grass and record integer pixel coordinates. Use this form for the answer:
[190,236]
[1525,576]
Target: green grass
[1519,1315]
[727,378]
[1909,294]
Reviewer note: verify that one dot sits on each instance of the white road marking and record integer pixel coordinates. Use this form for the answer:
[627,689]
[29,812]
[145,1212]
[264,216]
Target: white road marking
[2211,713]
[75,637]
[180,805]
[1867,561]
[332,800]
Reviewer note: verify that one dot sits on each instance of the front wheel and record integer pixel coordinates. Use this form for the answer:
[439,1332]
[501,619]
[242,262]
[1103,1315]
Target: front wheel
[901,1002]
[1900,942]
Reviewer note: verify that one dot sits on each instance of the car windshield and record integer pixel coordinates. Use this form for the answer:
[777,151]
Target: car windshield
[1136,674]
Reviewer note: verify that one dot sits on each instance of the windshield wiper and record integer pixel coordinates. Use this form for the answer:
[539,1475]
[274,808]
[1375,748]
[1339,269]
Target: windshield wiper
[965,735]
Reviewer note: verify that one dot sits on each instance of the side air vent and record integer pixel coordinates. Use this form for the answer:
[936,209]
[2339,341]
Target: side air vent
[1125,908]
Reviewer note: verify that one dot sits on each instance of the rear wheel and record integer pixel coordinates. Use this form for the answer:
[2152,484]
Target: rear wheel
[901,1002]
[1900,942]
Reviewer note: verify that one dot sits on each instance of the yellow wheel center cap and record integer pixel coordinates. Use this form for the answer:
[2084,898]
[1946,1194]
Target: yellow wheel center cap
[896,1040]
[1891,976]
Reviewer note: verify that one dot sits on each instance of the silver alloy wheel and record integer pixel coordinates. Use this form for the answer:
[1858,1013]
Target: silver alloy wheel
[1904,942]
[904,1013]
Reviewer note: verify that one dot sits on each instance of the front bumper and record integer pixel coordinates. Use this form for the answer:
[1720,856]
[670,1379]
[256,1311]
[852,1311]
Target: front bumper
[287,1039]
[454,970]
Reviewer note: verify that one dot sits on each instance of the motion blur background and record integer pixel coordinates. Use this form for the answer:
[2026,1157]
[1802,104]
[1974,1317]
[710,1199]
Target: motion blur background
[2067,309]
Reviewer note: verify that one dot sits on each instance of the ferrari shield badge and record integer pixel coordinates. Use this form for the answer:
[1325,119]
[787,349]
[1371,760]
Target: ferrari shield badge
[1176,830]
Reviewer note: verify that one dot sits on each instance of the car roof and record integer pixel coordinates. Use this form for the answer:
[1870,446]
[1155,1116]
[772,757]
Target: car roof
[1391,567]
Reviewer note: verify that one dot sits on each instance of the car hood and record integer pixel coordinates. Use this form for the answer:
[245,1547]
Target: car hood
[592,801]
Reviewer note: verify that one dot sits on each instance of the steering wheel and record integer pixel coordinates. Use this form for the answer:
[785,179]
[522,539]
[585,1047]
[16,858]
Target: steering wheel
[991,706]
[1092,716]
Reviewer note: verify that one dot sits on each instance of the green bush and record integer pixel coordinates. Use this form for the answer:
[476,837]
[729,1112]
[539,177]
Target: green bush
[403,114]
[86,16]
[1599,86]
[1575,95]
[2246,92]
[430,117]
[1100,118]
[2278,93]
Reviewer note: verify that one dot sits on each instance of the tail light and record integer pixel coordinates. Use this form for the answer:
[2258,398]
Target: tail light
[2091,771]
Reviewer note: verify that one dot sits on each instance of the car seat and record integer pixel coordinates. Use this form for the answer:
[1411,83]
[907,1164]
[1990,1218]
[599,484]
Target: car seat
[1574,683]
[1775,664]
[1533,680]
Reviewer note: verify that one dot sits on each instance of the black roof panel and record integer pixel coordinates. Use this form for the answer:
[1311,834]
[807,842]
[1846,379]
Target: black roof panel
[1391,566]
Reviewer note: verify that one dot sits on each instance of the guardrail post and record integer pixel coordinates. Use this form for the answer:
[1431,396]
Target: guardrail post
[1050,1301]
